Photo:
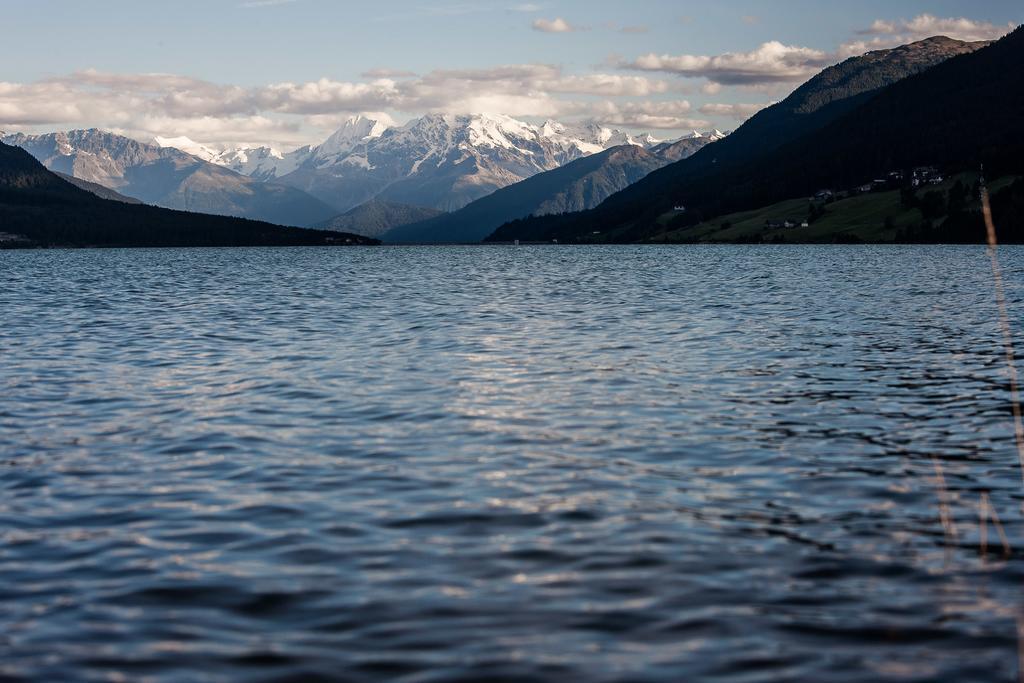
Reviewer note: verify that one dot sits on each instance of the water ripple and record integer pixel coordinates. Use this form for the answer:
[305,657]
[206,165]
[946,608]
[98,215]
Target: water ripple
[532,464]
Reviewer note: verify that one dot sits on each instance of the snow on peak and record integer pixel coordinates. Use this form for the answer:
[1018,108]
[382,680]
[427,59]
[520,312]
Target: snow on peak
[590,137]
[246,155]
[353,132]
[711,135]
[189,146]
[497,130]
[263,163]
[645,140]
[507,146]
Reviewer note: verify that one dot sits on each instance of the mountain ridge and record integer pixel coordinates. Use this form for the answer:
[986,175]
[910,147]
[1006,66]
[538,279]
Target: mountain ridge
[580,184]
[39,208]
[638,208]
[443,161]
[168,177]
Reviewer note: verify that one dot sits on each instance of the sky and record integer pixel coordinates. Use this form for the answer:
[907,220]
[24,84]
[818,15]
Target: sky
[288,72]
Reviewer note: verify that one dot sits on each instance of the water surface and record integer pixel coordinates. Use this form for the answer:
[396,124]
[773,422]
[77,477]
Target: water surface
[537,463]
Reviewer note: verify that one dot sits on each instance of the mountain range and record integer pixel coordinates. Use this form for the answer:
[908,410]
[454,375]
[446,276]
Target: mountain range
[576,186]
[169,177]
[464,178]
[827,132]
[39,208]
[438,161]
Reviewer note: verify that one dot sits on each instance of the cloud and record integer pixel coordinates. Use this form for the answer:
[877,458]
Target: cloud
[643,92]
[217,131]
[750,19]
[634,30]
[654,115]
[928,25]
[739,112]
[609,85]
[332,122]
[884,34]
[284,113]
[772,62]
[557,25]
[776,64]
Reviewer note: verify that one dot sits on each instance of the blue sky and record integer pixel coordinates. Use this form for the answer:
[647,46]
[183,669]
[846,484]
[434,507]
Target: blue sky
[638,59]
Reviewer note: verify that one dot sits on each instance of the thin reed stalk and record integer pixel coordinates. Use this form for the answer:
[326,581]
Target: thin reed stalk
[1004,324]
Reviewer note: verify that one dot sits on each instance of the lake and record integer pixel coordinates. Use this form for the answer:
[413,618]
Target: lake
[556,463]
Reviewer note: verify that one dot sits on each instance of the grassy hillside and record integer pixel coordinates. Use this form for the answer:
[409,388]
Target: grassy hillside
[873,217]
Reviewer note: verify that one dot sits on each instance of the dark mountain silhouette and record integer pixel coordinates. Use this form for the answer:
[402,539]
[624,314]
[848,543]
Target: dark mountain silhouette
[39,208]
[100,191]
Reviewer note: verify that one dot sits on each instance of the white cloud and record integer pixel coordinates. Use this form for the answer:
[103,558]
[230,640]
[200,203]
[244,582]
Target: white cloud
[775,64]
[772,62]
[661,115]
[326,96]
[739,112]
[294,113]
[217,131]
[290,114]
[928,25]
[332,122]
[884,34]
[557,25]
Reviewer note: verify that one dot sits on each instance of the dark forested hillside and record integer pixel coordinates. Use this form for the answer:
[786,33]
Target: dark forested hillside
[99,190]
[39,208]
[837,128]
[374,218]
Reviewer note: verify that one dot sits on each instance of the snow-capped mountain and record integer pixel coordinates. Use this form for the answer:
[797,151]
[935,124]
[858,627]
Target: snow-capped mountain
[189,146]
[263,163]
[711,135]
[442,161]
[169,177]
[591,138]
[577,186]
[347,141]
